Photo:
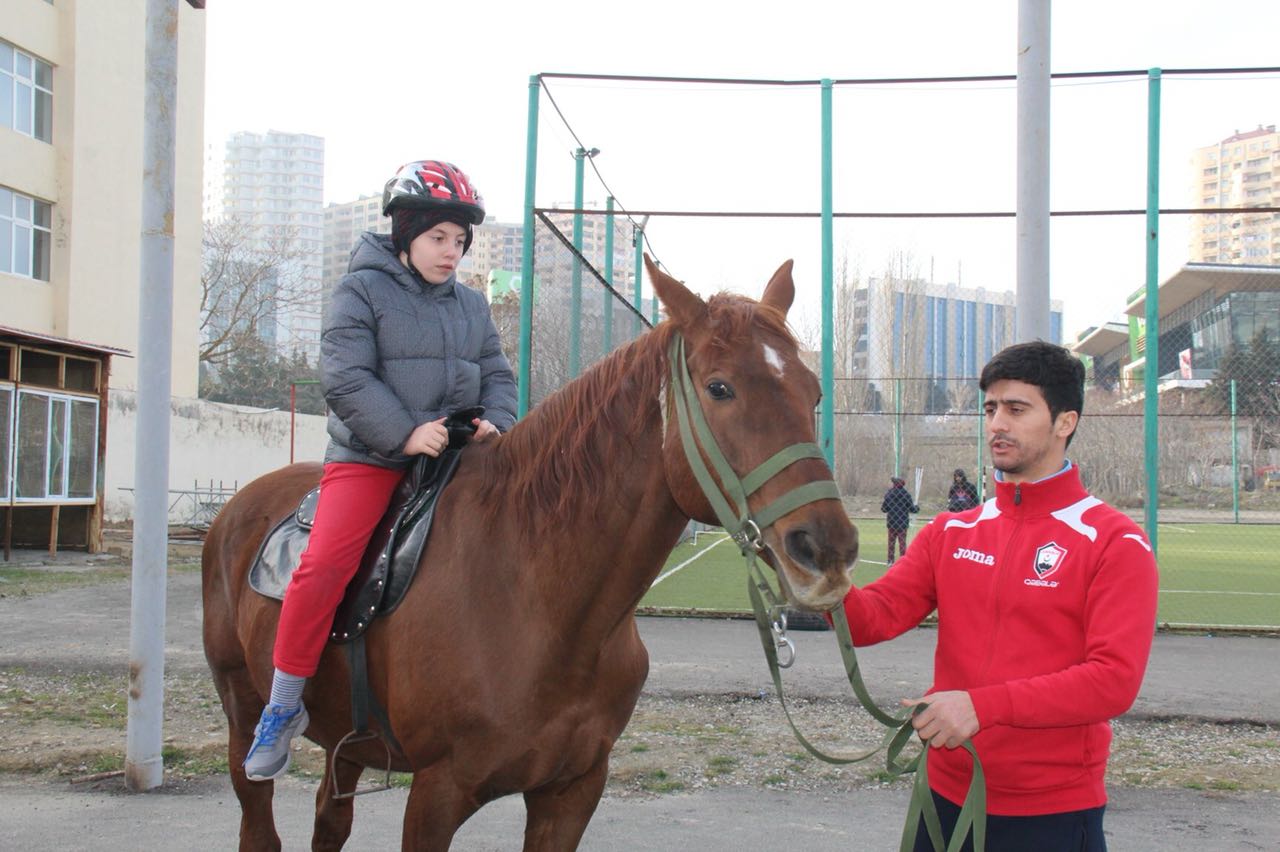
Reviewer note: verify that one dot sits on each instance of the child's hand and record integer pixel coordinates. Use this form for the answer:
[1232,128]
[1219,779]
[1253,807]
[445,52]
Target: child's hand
[428,439]
[484,430]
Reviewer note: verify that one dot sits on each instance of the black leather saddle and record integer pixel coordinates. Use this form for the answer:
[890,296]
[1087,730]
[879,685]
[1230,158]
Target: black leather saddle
[391,558]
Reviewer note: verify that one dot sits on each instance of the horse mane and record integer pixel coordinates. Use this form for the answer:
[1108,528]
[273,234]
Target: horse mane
[554,462]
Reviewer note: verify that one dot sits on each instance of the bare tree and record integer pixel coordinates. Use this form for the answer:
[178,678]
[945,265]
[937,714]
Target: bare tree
[248,278]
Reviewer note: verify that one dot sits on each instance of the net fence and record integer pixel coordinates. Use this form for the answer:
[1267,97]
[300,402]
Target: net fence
[1218,450]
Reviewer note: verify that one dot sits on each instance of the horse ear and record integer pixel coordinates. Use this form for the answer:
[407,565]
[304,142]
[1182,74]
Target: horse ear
[682,304]
[780,292]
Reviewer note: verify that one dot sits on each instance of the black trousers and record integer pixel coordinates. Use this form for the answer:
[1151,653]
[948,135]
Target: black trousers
[1072,831]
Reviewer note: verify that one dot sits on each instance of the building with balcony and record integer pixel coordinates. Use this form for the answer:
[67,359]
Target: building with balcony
[1241,171]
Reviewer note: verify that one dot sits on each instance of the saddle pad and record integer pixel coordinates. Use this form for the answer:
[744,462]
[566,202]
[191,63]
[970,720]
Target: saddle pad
[390,561]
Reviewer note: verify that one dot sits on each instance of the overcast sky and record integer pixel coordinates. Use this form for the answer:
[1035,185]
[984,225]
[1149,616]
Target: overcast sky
[386,81]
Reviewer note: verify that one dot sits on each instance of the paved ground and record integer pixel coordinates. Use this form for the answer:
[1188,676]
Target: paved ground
[1213,678]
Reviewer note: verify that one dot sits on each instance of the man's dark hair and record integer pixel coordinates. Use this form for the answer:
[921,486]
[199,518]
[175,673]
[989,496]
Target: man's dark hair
[1058,374]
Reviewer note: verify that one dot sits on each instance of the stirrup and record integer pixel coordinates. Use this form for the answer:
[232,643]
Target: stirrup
[351,739]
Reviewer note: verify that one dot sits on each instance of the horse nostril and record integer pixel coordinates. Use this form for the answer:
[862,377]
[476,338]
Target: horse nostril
[801,548]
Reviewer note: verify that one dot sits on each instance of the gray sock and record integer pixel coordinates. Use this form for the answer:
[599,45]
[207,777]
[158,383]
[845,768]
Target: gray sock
[286,689]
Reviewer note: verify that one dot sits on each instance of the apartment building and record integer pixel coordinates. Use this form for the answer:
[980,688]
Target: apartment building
[72,82]
[71,122]
[274,182]
[1241,171]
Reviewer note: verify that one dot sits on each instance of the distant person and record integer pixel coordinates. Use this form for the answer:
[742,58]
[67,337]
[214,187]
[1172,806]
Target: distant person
[897,506]
[403,345]
[1046,605]
[963,495]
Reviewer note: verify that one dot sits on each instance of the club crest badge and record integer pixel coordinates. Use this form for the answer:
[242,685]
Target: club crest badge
[1048,559]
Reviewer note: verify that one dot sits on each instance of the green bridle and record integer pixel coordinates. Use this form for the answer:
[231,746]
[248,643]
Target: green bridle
[730,505]
[728,500]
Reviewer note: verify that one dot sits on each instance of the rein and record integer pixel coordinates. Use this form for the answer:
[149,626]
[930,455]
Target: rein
[745,528]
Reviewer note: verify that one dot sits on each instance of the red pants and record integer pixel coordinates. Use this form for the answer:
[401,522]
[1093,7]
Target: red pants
[353,498]
[899,536]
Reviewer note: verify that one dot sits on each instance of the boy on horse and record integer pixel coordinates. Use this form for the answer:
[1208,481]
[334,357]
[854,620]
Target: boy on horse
[403,344]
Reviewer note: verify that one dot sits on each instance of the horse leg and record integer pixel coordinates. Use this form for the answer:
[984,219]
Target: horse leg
[558,815]
[333,816]
[243,707]
[435,809]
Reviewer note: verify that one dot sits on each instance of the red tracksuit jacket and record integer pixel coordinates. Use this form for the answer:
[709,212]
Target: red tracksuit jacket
[1046,602]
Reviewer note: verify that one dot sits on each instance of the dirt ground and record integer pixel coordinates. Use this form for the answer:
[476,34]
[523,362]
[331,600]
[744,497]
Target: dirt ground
[64,643]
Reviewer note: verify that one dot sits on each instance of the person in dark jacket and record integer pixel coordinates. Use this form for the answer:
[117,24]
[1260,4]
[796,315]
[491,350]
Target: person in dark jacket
[897,506]
[963,495]
[403,345]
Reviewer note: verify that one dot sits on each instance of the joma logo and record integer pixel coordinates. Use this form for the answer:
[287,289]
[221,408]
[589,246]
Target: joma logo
[974,556]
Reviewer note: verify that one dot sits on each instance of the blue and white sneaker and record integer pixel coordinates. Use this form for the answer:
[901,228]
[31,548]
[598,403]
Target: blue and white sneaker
[269,756]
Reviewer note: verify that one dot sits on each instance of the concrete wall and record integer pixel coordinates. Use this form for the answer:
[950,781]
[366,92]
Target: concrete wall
[208,441]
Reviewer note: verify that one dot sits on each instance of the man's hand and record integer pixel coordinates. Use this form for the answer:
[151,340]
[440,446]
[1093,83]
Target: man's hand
[484,430]
[428,439]
[948,720]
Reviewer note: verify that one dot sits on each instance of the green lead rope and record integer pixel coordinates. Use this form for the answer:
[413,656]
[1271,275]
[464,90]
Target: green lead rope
[745,529]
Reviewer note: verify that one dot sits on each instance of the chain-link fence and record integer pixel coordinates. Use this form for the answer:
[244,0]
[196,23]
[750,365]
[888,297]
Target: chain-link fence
[1218,515]
[1216,444]
[578,317]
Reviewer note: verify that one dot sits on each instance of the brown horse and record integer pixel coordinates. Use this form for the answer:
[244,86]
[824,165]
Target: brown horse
[514,663]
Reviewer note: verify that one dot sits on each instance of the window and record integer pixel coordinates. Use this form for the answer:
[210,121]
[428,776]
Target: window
[56,447]
[24,235]
[26,93]
[6,439]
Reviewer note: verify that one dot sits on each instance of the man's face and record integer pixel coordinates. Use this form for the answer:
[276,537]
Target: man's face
[1026,443]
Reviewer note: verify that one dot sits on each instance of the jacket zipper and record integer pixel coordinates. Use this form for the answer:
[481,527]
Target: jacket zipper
[1005,558]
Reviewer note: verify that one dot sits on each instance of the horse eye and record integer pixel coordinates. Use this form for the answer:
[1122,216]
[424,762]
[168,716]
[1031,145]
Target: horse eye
[719,390]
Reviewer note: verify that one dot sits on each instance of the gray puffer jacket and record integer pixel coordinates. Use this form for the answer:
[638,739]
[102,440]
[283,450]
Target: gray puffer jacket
[396,353]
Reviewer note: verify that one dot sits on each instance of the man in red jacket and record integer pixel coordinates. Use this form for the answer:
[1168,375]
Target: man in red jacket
[1046,601]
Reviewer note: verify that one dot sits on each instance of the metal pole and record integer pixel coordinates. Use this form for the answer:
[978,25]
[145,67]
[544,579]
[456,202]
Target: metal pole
[638,235]
[527,245]
[1235,458]
[575,297]
[897,427]
[982,444]
[608,275]
[826,434]
[144,765]
[1151,354]
[1032,297]
[293,415]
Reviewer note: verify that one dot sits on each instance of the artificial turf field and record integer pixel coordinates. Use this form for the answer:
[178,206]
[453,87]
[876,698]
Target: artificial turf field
[1211,575]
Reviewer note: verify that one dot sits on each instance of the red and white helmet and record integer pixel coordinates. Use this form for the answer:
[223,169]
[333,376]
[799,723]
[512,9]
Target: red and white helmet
[432,185]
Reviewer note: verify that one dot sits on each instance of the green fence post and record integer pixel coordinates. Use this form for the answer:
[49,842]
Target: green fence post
[826,435]
[575,297]
[1151,356]
[1235,458]
[526,249]
[638,235]
[608,276]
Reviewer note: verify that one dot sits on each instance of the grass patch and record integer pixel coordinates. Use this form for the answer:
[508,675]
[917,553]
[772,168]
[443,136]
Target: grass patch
[1211,574]
[658,781]
[721,764]
[20,582]
[93,700]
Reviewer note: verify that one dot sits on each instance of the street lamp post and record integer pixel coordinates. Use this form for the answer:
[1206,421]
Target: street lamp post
[580,156]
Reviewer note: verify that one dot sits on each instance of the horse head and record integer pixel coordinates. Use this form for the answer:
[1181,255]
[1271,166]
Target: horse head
[747,431]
